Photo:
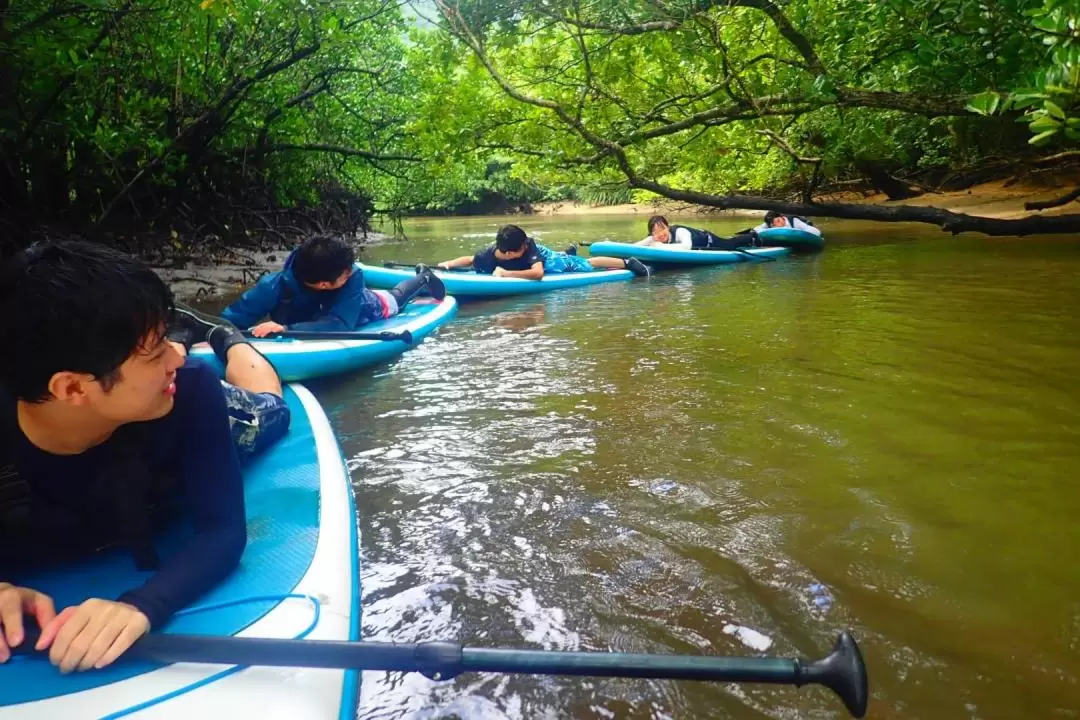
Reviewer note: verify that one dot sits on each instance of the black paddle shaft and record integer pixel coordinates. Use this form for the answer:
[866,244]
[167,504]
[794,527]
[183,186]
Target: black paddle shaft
[842,670]
[387,335]
[433,267]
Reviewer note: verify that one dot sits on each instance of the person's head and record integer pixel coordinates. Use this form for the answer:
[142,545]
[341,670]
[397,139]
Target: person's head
[84,326]
[511,242]
[324,262]
[659,229]
[775,219]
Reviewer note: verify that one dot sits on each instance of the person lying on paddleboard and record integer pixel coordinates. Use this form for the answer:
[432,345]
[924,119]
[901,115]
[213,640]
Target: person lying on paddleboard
[320,289]
[774,219]
[661,232]
[516,255]
[111,433]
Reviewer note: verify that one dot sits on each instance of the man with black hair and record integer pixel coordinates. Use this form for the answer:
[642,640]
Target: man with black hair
[319,288]
[114,432]
[517,255]
[774,219]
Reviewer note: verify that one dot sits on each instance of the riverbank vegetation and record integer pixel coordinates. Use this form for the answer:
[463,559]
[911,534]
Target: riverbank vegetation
[245,121]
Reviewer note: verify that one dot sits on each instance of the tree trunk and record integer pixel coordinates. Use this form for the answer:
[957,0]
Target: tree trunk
[884,182]
[48,173]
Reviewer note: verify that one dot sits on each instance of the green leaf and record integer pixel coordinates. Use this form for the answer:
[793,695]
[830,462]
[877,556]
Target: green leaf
[1044,122]
[1049,24]
[985,103]
[1054,110]
[1021,100]
[1042,138]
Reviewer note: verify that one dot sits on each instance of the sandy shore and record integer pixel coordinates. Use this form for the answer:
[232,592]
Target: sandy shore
[645,209]
[994,200]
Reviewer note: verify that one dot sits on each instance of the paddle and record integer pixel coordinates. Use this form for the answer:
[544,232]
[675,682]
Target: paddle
[755,256]
[842,670]
[433,267]
[404,336]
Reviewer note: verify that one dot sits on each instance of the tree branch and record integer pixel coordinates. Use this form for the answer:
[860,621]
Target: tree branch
[780,105]
[783,145]
[61,11]
[69,79]
[323,86]
[237,90]
[513,148]
[783,26]
[1066,156]
[1057,202]
[793,36]
[322,147]
[914,103]
[945,219]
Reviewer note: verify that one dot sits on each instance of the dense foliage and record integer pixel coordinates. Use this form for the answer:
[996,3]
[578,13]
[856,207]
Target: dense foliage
[745,95]
[235,116]
[125,113]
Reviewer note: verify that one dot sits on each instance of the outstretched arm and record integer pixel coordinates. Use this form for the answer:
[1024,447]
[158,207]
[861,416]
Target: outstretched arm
[536,272]
[255,304]
[458,262]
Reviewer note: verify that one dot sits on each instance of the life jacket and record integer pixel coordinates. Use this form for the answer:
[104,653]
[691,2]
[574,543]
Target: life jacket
[286,300]
[701,239]
[705,240]
[296,303]
[120,498]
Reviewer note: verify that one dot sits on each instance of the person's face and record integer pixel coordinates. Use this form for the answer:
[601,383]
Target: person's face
[510,254]
[661,233]
[144,388]
[779,222]
[326,285]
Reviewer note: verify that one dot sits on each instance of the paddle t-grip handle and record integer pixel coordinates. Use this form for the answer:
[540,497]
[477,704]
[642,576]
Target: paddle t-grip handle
[842,671]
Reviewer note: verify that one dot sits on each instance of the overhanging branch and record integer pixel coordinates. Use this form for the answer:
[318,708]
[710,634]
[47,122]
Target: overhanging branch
[1056,202]
[933,106]
[945,219]
[769,8]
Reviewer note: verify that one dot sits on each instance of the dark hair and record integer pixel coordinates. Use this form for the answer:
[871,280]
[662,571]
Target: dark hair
[322,258]
[510,238]
[772,215]
[657,220]
[76,307]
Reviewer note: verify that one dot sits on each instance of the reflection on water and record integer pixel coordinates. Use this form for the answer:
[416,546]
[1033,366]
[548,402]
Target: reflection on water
[735,461]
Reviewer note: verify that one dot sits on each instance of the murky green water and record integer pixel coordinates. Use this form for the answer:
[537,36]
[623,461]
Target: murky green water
[883,437]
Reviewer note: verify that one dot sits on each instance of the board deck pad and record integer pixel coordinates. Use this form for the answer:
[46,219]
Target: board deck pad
[664,254]
[472,284]
[298,360]
[281,495]
[791,237]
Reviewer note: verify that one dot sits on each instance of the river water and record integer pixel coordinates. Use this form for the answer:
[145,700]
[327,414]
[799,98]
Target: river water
[883,437]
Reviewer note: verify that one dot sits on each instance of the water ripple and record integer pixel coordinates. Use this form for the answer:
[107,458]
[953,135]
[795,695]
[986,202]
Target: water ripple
[736,461]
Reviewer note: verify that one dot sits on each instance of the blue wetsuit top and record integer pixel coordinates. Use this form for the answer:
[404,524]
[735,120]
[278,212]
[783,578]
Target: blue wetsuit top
[485,261]
[289,302]
[193,447]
